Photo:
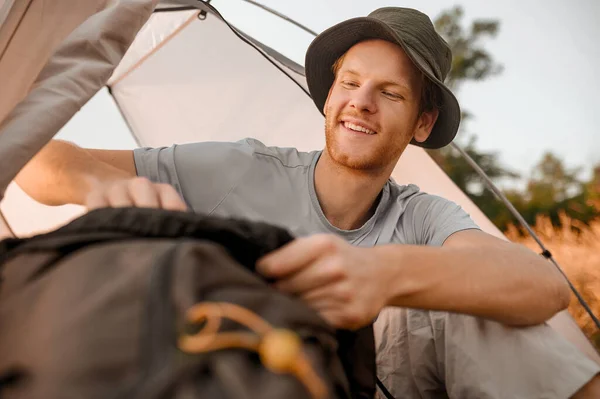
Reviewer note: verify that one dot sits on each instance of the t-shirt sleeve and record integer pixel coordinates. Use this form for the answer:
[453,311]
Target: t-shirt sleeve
[434,219]
[202,173]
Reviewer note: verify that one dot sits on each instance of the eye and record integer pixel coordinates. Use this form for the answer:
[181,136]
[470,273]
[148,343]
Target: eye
[349,83]
[392,96]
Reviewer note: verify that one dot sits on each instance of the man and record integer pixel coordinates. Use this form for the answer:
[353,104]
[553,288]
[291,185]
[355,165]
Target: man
[366,243]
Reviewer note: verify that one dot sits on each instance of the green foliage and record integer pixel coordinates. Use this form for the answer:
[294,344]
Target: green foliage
[470,60]
[463,175]
[591,189]
[551,182]
[551,189]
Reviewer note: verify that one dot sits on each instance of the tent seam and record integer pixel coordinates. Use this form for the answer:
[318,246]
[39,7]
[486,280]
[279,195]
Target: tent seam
[156,49]
[10,39]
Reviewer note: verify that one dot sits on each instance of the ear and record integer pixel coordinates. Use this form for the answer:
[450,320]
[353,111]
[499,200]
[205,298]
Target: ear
[425,125]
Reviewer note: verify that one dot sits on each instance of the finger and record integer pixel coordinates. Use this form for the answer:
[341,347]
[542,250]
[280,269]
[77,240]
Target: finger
[118,196]
[143,193]
[322,308]
[95,200]
[341,318]
[322,272]
[294,256]
[170,198]
[331,294]
[332,317]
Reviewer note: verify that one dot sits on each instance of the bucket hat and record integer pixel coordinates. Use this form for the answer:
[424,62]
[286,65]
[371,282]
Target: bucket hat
[410,29]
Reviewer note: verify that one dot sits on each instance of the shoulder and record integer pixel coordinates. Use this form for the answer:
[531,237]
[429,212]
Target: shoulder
[233,153]
[415,200]
[288,157]
[234,160]
[403,193]
[212,151]
[426,218]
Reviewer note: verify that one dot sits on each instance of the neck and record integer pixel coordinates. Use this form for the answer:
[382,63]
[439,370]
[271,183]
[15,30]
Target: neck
[347,197]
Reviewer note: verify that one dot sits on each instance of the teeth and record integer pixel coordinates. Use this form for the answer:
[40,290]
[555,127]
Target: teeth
[357,128]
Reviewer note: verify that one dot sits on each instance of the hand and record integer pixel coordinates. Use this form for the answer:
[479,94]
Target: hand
[347,285]
[138,192]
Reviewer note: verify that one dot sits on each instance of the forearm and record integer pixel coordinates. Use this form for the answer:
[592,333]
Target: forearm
[505,282]
[590,390]
[62,173]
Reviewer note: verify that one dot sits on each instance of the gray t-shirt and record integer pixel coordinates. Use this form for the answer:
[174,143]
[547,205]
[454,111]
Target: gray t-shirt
[415,349]
[249,180]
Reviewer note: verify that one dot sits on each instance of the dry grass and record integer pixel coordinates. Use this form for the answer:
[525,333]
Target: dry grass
[576,248]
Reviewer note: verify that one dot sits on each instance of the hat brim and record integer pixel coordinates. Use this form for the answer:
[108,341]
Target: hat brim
[332,43]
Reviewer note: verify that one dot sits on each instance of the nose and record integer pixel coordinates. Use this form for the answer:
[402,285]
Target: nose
[363,100]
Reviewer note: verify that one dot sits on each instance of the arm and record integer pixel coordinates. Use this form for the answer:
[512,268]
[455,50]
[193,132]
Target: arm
[590,390]
[478,274]
[473,273]
[63,173]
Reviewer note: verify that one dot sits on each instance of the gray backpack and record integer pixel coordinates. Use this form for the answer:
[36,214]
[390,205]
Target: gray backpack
[140,303]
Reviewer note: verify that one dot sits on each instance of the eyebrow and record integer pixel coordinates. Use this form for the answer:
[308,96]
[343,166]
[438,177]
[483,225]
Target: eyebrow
[386,83]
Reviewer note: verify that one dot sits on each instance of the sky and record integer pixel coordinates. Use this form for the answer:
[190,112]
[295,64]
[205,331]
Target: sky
[546,98]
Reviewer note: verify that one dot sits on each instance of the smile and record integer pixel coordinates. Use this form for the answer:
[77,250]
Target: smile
[358,128]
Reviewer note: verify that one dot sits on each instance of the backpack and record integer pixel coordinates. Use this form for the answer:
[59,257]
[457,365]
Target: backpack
[145,303]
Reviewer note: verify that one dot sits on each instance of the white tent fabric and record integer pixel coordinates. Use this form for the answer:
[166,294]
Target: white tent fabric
[186,79]
[66,83]
[63,85]
[39,27]
[5,8]
[26,217]
[30,31]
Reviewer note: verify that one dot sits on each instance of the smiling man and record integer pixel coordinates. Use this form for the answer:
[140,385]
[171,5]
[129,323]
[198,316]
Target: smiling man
[461,296]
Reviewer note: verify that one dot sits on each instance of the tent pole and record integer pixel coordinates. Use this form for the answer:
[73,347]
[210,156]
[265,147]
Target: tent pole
[135,136]
[212,9]
[5,223]
[545,252]
[299,25]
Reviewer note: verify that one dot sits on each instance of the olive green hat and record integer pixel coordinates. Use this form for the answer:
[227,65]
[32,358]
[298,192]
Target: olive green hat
[415,33]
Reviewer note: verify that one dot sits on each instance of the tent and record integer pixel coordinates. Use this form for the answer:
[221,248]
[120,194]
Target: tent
[178,74]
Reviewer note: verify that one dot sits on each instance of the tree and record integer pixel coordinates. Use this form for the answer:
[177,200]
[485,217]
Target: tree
[592,189]
[551,182]
[554,189]
[463,175]
[470,61]
[551,189]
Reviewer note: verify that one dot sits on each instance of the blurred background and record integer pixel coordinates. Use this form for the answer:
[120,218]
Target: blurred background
[525,75]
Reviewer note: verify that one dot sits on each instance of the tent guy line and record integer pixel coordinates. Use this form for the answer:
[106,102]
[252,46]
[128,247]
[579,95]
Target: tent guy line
[545,252]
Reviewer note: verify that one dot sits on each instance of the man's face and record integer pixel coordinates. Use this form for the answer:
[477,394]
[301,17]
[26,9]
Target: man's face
[372,111]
